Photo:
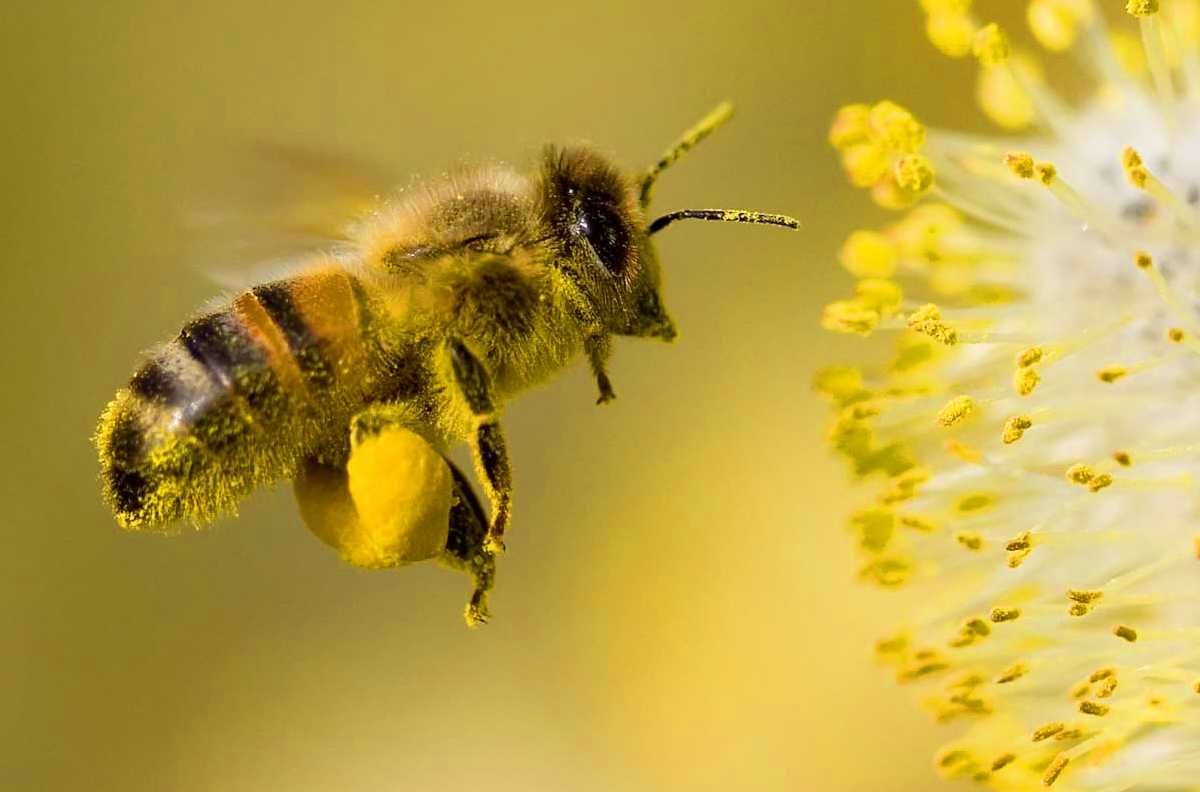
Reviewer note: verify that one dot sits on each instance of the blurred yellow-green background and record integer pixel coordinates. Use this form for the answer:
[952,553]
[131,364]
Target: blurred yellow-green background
[678,608]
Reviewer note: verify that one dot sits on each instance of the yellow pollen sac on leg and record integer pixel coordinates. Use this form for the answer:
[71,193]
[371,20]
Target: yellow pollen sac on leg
[1014,428]
[956,411]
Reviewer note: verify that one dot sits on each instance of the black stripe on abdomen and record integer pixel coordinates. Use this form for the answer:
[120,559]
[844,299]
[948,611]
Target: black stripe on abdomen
[277,300]
[218,343]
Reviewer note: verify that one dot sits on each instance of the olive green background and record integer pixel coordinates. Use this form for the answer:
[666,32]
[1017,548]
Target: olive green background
[678,608]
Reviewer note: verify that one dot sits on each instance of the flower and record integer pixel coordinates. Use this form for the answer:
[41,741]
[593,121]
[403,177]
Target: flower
[1037,427]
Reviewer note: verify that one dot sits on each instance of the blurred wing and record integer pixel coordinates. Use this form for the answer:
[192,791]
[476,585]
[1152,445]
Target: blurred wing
[275,205]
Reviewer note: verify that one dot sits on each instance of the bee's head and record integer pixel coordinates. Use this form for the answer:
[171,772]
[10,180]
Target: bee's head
[597,217]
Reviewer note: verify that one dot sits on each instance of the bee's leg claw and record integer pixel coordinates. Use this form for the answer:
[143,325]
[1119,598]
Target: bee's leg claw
[607,393]
[477,613]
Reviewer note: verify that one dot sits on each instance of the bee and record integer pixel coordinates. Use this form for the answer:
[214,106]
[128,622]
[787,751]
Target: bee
[356,375]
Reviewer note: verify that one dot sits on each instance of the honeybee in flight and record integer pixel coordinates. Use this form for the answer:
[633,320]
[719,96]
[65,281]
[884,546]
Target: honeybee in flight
[356,375]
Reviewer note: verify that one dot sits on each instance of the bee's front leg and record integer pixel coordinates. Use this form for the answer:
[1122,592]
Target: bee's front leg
[487,445]
[599,349]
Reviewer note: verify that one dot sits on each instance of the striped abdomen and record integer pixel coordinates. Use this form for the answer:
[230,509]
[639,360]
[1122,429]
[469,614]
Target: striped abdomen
[237,400]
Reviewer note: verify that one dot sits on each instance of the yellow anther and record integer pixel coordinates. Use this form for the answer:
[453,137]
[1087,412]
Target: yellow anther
[865,163]
[850,316]
[1093,708]
[1143,260]
[1020,163]
[1057,765]
[1122,458]
[1085,596]
[874,528]
[927,320]
[1125,633]
[850,126]
[1176,335]
[1030,356]
[839,382]
[1141,8]
[1135,169]
[1079,609]
[991,45]
[1022,542]
[1082,690]
[1197,543]
[1014,428]
[1003,97]
[1111,374]
[1012,674]
[878,294]
[975,502]
[951,32]
[894,128]
[946,6]
[1047,731]
[914,174]
[978,627]
[956,411]
[918,524]
[869,254]
[1103,481]
[1080,473]
[1026,380]
[999,615]
[1101,674]
[1107,688]
[969,540]
[1055,23]
[1003,761]
[1046,173]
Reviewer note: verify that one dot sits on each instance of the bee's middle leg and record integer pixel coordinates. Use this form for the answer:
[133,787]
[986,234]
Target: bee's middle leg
[487,444]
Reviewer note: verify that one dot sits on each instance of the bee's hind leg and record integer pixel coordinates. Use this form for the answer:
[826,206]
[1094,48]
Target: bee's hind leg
[466,546]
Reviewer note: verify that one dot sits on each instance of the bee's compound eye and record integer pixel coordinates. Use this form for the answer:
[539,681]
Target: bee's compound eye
[605,231]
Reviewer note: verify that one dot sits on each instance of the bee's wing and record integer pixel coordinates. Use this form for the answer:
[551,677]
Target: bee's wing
[273,205]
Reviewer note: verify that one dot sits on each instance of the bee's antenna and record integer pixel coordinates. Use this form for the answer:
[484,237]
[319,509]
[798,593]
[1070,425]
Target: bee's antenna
[702,129]
[724,216]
